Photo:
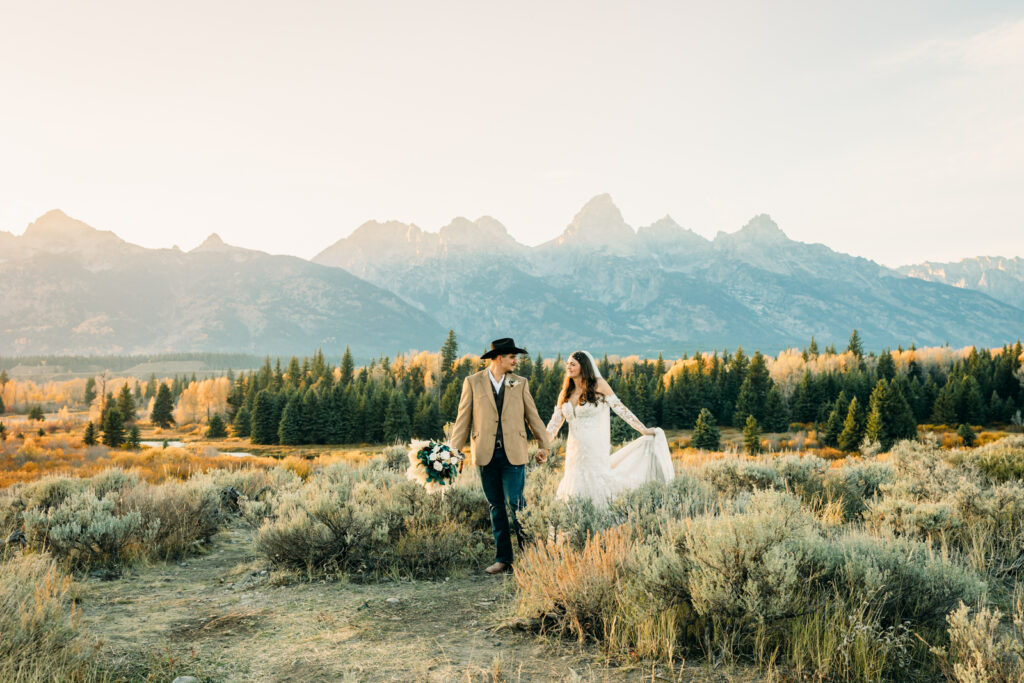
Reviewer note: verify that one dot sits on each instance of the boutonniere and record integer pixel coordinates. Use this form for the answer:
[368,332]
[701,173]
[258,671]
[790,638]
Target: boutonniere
[512,383]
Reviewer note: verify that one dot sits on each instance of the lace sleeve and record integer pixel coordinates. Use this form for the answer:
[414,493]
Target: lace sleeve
[555,423]
[622,411]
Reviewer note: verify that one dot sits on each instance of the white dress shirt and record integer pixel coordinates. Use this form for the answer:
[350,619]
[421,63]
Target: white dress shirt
[496,383]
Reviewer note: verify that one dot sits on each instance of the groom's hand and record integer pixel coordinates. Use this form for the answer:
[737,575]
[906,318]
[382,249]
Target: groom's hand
[542,456]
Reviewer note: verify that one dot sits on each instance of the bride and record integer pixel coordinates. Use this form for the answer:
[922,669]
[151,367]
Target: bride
[592,471]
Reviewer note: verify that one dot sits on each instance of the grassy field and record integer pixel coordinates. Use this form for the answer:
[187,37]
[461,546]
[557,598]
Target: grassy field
[325,563]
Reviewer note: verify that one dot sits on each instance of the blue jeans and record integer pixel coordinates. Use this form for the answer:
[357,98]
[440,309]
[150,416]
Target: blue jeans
[503,488]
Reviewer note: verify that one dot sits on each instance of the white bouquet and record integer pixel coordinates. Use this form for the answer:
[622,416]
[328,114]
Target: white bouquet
[433,464]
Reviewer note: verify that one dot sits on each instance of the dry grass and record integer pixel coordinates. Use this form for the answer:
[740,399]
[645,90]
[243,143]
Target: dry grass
[41,638]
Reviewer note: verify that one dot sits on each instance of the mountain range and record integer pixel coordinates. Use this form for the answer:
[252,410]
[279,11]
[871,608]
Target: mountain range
[999,277]
[601,284]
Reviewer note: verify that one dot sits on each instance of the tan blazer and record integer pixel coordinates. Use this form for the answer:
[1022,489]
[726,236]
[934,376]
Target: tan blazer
[477,407]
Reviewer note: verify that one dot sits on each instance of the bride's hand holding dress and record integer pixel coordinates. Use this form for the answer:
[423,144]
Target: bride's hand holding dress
[591,470]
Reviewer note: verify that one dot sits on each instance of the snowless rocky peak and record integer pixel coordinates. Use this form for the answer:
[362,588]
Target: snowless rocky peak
[56,228]
[56,232]
[483,233]
[213,243]
[760,229]
[665,231]
[598,223]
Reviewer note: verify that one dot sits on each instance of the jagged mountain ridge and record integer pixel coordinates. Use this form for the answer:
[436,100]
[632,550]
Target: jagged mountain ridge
[89,292]
[999,277]
[67,288]
[604,285]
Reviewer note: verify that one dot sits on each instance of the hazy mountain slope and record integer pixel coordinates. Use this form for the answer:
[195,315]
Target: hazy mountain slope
[67,288]
[604,285]
[112,297]
[1001,278]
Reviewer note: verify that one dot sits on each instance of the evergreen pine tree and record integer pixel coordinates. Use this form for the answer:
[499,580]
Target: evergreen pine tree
[134,437]
[853,427]
[537,376]
[163,407]
[90,391]
[216,428]
[2,408]
[450,401]
[944,411]
[294,372]
[150,387]
[89,438]
[753,392]
[264,424]
[126,404]
[855,346]
[290,432]
[377,399]
[807,399]
[243,422]
[277,382]
[974,404]
[427,420]
[705,434]
[886,366]
[903,424]
[890,418]
[751,436]
[776,415]
[314,418]
[347,368]
[833,427]
[113,428]
[834,424]
[449,354]
[397,425]
[35,412]
[967,434]
[546,395]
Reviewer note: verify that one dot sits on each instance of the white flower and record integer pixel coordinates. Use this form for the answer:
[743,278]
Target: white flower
[438,466]
[432,457]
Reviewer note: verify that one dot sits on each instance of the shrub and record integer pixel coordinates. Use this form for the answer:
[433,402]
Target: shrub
[980,650]
[179,517]
[41,638]
[750,565]
[1001,461]
[85,531]
[900,578]
[576,589]
[731,475]
[368,521]
[396,458]
[649,507]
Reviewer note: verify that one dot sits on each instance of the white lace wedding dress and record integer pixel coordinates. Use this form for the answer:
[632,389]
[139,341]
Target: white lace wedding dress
[591,469]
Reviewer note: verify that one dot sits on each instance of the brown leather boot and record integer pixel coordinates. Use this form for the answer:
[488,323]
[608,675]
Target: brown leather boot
[499,568]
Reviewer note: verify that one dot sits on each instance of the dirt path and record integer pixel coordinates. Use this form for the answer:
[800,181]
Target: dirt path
[219,617]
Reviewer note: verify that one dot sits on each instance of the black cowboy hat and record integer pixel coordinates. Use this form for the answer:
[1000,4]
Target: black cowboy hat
[501,347]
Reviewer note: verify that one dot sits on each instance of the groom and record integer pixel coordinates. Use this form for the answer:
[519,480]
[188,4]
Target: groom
[498,404]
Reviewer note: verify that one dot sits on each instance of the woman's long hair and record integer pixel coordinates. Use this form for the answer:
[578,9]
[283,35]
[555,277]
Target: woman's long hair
[587,378]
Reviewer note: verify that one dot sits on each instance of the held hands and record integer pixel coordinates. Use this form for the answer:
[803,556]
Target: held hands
[542,456]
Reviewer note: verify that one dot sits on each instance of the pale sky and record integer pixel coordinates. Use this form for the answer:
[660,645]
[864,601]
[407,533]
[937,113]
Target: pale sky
[890,130]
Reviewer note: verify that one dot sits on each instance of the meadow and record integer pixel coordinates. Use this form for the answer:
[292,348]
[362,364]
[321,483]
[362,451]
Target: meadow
[773,555]
[898,565]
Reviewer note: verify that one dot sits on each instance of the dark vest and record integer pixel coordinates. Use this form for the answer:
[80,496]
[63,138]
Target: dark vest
[499,401]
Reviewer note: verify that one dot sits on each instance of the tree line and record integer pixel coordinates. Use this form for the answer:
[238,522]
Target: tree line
[310,401]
